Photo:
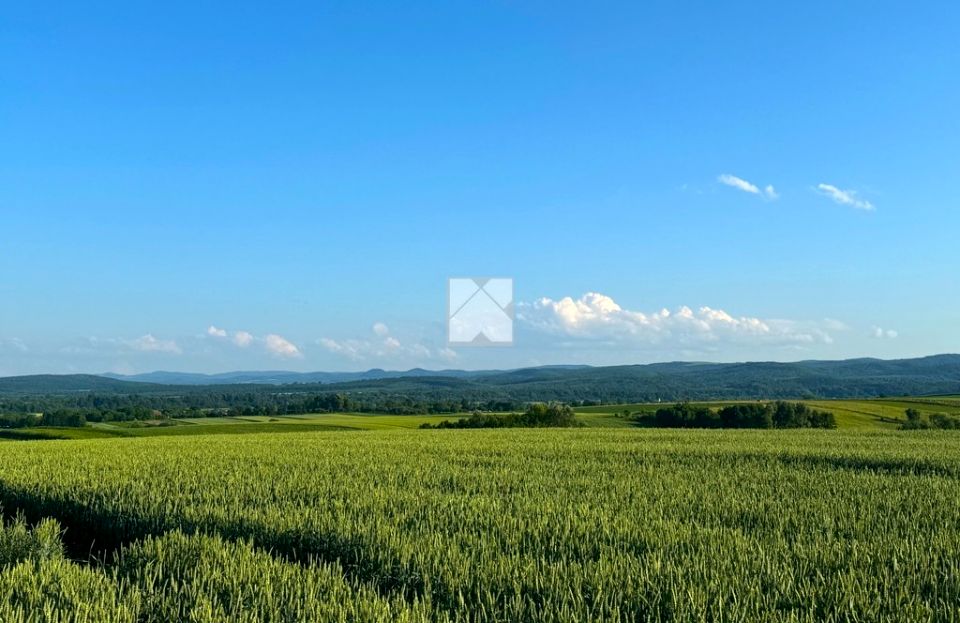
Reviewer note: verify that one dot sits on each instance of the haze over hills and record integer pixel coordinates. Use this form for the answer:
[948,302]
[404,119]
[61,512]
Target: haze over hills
[280,377]
[939,374]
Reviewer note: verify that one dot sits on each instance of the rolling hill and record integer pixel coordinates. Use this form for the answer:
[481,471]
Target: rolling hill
[852,378]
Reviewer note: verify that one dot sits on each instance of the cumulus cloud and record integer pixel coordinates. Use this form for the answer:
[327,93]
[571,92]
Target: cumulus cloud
[243,339]
[281,347]
[844,197]
[597,317]
[240,338]
[884,334]
[391,342]
[381,329]
[149,344]
[274,344]
[768,192]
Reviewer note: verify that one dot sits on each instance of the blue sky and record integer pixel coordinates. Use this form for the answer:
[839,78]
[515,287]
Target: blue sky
[215,186]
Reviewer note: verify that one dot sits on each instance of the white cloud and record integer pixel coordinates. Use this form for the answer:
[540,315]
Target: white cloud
[844,197]
[596,317]
[281,347]
[347,348]
[384,345]
[391,343]
[832,324]
[359,350]
[148,343]
[739,183]
[243,339]
[768,192]
[274,344]
[884,334]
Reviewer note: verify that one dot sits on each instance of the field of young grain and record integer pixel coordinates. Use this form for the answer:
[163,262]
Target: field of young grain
[486,525]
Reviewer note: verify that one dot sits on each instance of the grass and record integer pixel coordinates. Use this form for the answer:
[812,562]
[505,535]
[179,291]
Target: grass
[495,525]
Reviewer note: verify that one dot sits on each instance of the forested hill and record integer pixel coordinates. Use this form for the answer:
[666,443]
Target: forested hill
[72,383]
[853,378]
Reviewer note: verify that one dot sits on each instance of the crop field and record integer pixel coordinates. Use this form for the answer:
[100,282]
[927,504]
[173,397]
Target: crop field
[484,525]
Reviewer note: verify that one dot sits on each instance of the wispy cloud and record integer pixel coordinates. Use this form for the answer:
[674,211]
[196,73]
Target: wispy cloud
[213,331]
[884,334]
[383,345]
[768,192]
[844,197]
[150,344]
[13,343]
[243,339]
[348,348]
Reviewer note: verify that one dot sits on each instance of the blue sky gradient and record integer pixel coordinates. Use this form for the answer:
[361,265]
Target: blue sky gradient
[305,171]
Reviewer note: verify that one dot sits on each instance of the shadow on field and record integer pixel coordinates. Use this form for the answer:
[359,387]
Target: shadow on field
[96,537]
[26,435]
[887,466]
[86,537]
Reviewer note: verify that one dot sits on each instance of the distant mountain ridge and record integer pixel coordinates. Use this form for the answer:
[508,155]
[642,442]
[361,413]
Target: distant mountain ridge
[850,378]
[270,377]
[282,377]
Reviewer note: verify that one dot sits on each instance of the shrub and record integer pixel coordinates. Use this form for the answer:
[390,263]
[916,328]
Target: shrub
[748,415]
[537,415]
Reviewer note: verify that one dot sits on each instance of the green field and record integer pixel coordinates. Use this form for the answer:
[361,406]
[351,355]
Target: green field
[877,414]
[229,425]
[485,525]
[873,414]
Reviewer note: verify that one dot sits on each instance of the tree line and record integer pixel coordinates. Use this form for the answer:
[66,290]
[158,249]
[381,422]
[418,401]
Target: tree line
[61,417]
[537,415]
[19,412]
[916,421]
[751,415]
